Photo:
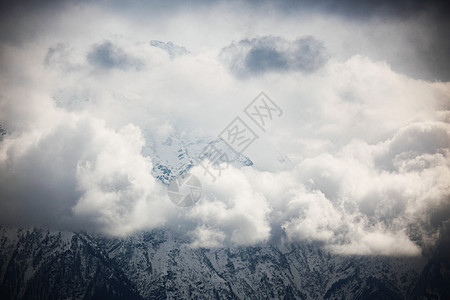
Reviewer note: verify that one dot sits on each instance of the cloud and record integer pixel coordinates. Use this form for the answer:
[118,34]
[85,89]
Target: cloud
[366,148]
[57,56]
[267,54]
[108,56]
[352,205]
[205,237]
[418,141]
[80,174]
[421,30]
[232,208]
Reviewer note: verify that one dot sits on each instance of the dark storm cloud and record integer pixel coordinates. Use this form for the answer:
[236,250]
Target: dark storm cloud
[437,224]
[267,54]
[41,187]
[428,51]
[443,243]
[108,56]
[360,9]
[425,55]
[22,20]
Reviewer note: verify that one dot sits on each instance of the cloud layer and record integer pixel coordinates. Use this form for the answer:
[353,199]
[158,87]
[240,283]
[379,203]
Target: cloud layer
[359,161]
[274,54]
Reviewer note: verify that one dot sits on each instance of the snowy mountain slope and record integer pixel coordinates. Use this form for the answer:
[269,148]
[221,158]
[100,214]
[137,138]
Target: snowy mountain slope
[434,282]
[172,49]
[173,156]
[41,264]
[259,272]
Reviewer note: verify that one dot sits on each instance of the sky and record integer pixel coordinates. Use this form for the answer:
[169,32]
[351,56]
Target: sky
[364,135]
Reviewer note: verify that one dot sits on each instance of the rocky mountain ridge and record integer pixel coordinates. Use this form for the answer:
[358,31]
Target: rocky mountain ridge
[37,263]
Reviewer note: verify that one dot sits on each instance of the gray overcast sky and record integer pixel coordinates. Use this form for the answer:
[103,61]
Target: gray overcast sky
[425,55]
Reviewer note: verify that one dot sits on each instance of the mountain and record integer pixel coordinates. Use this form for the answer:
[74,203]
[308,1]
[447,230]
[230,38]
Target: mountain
[174,156]
[268,271]
[2,130]
[36,263]
[42,264]
[434,282]
[172,49]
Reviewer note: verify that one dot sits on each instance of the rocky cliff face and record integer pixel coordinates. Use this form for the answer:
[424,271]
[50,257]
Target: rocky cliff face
[40,264]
